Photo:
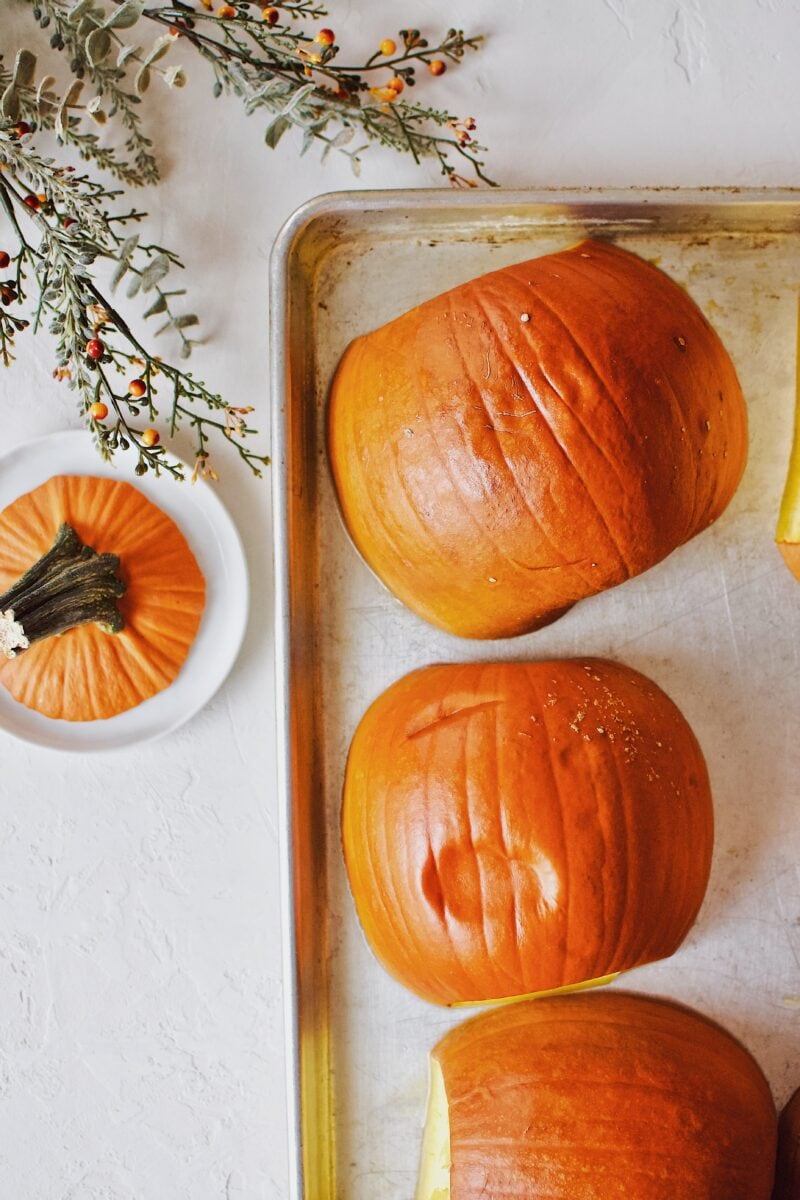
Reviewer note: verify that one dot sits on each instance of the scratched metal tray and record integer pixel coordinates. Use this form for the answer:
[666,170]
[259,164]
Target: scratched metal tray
[717,625]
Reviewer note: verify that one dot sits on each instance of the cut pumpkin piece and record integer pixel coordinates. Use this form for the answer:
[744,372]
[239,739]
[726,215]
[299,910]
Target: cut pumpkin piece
[111,591]
[787,534]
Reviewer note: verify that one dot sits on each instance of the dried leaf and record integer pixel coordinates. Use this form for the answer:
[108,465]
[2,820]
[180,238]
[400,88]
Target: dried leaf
[44,93]
[125,53]
[299,97]
[159,305]
[9,103]
[155,272]
[175,77]
[97,46]
[128,246]
[126,15]
[81,9]
[24,68]
[159,48]
[276,130]
[119,274]
[142,80]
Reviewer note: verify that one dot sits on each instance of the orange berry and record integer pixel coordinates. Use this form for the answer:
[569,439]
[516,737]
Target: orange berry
[396,84]
[150,437]
[42,198]
[325,37]
[226,11]
[98,411]
[137,388]
[271,16]
[388,47]
[437,67]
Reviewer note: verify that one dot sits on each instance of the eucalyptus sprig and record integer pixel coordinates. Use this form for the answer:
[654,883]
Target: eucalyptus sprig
[64,223]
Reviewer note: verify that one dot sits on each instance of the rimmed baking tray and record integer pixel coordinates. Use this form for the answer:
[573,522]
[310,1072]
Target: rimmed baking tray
[717,625]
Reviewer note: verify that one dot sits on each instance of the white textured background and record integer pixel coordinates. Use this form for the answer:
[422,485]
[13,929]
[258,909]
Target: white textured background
[140,992]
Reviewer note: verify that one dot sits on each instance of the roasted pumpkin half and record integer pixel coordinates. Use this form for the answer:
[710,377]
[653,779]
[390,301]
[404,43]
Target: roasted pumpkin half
[593,1097]
[533,437]
[514,828]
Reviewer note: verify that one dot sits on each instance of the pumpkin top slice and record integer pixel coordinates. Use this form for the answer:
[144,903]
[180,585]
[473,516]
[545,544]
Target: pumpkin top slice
[89,673]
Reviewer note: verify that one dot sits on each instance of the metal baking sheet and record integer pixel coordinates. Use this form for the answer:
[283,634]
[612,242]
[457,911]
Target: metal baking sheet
[717,625]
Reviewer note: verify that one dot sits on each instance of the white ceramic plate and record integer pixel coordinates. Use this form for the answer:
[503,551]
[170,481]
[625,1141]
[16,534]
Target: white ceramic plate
[215,542]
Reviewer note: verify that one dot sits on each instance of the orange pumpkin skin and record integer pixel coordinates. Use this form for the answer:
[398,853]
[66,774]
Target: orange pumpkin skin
[493,471]
[605,1097]
[86,674]
[787,1179]
[511,828]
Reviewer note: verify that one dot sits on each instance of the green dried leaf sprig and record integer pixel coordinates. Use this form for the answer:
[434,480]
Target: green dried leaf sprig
[65,222]
[63,229]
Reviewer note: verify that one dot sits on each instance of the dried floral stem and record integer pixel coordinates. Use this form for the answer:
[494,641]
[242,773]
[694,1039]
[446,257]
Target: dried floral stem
[277,68]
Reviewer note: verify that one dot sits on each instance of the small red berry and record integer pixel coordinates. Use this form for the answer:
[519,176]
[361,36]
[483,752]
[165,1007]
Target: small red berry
[150,438]
[271,16]
[137,388]
[98,411]
[5,259]
[68,221]
[22,129]
[437,67]
[325,37]
[95,349]
[33,202]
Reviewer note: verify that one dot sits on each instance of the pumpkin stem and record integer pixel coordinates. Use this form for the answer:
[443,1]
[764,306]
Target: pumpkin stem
[70,585]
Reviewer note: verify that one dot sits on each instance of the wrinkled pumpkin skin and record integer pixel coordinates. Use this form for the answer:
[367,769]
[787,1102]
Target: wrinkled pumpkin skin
[86,674]
[787,1178]
[494,471]
[511,828]
[605,1097]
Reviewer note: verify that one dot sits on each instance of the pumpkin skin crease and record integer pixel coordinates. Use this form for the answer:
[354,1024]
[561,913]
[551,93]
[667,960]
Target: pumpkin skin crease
[787,1179]
[494,471]
[605,1097]
[513,828]
[86,674]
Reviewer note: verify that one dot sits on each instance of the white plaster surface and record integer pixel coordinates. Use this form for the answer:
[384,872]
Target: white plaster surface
[140,989]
